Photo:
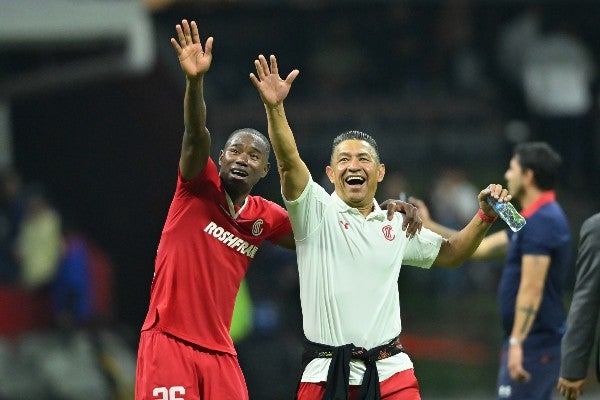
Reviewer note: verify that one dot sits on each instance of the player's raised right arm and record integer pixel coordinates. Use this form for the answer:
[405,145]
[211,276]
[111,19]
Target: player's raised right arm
[195,62]
[273,90]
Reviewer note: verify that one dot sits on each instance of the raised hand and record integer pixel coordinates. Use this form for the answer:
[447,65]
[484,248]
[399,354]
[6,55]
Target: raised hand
[194,60]
[271,88]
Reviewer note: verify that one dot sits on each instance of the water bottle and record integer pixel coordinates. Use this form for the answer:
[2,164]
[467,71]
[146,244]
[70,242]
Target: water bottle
[508,213]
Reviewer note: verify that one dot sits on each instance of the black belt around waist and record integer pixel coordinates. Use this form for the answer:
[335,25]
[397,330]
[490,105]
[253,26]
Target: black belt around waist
[338,375]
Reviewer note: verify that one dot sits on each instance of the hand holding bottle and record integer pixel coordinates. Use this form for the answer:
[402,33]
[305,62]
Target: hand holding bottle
[508,213]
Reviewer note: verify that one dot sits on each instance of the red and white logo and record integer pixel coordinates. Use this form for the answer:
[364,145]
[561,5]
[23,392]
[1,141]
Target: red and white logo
[387,232]
[345,224]
[257,228]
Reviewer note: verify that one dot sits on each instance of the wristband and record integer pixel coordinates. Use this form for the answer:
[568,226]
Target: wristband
[513,341]
[486,218]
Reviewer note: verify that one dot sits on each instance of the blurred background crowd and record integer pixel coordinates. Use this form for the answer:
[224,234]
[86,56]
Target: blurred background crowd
[90,128]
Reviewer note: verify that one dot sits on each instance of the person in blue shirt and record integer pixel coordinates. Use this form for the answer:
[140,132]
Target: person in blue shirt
[530,292]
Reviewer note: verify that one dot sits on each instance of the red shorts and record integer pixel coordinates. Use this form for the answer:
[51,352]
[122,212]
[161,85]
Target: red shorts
[171,369]
[400,386]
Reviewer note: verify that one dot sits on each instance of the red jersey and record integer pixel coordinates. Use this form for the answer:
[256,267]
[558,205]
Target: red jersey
[203,254]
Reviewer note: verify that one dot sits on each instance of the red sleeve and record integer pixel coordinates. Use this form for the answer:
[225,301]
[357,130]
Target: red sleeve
[281,222]
[209,175]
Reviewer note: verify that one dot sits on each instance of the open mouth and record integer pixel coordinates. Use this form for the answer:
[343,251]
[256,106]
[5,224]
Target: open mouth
[239,172]
[355,181]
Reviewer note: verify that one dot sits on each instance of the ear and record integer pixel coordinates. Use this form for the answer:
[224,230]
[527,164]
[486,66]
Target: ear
[329,172]
[221,153]
[528,177]
[266,169]
[381,172]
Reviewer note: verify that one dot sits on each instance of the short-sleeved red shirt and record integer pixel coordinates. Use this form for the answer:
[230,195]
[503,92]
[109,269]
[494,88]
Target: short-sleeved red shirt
[203,254]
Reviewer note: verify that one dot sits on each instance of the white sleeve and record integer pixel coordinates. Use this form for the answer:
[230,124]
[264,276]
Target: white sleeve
[422,250]
[306,212]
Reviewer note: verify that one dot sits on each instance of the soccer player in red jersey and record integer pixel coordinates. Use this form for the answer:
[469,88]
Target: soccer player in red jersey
[212,232]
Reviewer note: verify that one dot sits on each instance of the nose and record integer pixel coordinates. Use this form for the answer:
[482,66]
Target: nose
[242,158]
[354,164]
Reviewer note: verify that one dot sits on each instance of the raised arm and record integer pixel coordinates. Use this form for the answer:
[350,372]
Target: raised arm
[273,90]
[195,62]
[491,247]
[461,245]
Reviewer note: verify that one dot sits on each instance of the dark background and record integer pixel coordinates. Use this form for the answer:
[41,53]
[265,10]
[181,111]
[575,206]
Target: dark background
[107,149]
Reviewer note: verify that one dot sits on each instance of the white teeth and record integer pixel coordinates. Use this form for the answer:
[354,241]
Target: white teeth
[239,172]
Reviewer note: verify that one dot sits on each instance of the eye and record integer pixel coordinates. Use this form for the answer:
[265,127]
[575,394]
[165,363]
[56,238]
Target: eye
[233,151]
[255,157]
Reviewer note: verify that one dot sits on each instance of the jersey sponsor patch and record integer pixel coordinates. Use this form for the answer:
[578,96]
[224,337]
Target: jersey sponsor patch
[228,238]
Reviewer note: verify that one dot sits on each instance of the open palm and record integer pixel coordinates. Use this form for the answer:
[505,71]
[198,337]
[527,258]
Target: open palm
[272,89]
[193,59]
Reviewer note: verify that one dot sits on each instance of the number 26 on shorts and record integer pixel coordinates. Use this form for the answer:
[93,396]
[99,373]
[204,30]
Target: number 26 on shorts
[172,393]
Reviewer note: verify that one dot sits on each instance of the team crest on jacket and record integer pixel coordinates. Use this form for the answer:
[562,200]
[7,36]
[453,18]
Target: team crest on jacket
[387,232]
[257,228]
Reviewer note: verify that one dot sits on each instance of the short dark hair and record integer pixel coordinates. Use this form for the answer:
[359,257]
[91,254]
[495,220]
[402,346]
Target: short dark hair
[355,135]
[542,159]
[253,132]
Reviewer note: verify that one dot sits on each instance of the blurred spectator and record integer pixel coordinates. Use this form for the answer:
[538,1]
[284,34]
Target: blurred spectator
[39,241]
[454,197]
[12,208]
[454,201]
[558,74]
[82,290]
[395,186]
[71,288]
[514,39]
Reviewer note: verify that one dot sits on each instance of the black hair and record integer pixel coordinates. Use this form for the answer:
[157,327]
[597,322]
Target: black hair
[255,133]
[542,160]
[355,135]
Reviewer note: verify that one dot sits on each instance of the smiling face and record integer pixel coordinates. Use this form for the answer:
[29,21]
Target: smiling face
[243,161]
[355,171]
